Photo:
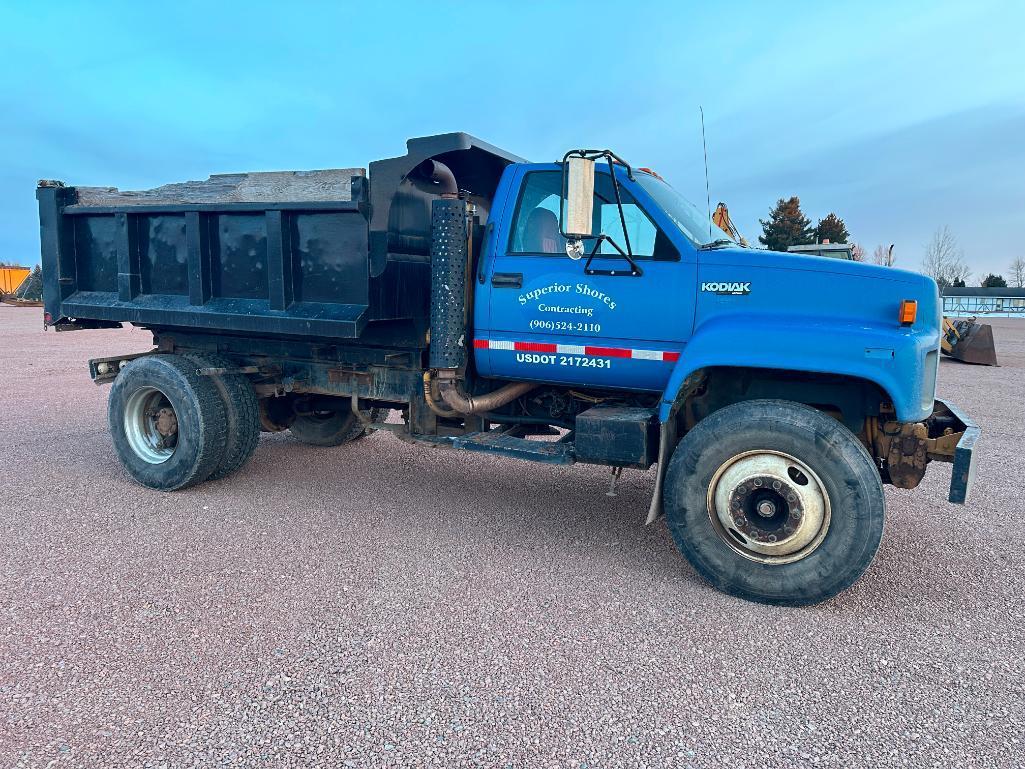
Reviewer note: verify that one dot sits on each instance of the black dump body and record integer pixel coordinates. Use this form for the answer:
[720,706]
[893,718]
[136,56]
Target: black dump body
[290,254]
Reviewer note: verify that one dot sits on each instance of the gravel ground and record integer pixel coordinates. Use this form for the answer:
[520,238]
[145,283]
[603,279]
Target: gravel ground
[385,605]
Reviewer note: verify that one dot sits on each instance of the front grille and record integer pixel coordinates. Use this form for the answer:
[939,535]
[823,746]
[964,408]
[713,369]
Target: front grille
[932,361]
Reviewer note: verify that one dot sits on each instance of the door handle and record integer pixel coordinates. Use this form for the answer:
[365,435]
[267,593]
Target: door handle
[507,280]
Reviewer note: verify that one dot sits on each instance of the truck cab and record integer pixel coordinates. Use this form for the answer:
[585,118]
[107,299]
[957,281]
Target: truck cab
[697,300]
[573,312]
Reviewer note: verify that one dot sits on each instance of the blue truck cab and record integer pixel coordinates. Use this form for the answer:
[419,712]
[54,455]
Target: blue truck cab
[573,312]
[725,305]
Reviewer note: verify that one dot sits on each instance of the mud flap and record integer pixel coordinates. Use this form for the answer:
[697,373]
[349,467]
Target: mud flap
[665,437]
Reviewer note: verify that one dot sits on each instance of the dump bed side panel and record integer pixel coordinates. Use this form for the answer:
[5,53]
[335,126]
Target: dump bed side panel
[279,253]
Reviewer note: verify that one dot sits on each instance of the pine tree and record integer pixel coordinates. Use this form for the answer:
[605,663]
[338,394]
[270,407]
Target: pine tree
[994,281]
[32,288]
[786,226]
[833,229]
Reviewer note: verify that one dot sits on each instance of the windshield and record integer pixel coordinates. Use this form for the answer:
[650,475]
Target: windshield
[684,214]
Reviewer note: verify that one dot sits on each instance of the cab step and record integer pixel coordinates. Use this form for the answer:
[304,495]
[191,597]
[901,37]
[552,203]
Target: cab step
[499,441]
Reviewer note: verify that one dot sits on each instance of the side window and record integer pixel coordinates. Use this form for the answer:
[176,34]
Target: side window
[536,226]
[639,227]
[536,223]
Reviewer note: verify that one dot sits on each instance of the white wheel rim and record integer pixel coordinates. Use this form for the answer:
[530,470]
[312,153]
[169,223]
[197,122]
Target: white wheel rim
[769,506]
[151,425]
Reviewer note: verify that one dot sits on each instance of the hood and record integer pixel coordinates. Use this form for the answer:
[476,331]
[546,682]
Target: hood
[785,260]
[772,282]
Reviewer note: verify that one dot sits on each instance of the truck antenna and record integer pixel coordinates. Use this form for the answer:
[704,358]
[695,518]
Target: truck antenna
[708,196]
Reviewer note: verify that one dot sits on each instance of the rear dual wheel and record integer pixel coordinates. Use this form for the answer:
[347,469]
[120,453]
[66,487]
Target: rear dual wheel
[173,427]
[241,411]
[774,502]
[168,423]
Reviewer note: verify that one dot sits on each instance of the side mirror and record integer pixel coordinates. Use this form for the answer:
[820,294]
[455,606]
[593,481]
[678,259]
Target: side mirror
[579,197]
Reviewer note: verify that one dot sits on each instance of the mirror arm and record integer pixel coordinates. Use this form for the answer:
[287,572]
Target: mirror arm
[635,269]
[607,154]
[622,215]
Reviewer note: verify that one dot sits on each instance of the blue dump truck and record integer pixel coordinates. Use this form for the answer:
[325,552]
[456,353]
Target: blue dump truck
[578,311]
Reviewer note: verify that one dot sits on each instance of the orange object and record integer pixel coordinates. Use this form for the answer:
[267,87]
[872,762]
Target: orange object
[908,311]
[721,219]
[12,277]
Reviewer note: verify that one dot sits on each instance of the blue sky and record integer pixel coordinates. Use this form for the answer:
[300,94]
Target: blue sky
[901,117]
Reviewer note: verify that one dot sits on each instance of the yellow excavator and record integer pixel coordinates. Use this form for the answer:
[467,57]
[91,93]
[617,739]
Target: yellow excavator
[963,338]
[721,219]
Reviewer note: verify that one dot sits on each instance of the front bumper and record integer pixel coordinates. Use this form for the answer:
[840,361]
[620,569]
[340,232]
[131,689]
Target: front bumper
[963,474]
[905,449]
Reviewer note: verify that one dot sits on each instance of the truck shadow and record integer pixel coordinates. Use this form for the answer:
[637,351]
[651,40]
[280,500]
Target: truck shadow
[553,516]
[506,502]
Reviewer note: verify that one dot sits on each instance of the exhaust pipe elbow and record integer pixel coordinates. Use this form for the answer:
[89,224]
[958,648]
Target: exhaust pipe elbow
[441,175]
[478,404]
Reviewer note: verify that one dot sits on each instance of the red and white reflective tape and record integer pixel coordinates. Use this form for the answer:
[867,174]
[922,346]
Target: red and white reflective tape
[575,349]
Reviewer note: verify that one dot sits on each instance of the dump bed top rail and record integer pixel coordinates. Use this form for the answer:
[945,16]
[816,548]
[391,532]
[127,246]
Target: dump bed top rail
[269,187]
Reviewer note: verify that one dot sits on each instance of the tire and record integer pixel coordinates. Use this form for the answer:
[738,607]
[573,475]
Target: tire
[333,428]
[276,414]
[797,544]
[241,412]
[168,424]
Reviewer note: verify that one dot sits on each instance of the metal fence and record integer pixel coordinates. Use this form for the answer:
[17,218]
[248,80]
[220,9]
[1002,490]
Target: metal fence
[994,306]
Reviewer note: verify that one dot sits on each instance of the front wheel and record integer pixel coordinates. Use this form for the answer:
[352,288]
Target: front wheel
[774,502]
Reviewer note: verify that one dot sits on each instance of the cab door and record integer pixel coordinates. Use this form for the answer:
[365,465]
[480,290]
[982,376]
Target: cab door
[548,320]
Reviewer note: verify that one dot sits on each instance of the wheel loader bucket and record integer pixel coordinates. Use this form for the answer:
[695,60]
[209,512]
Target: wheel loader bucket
[975,345]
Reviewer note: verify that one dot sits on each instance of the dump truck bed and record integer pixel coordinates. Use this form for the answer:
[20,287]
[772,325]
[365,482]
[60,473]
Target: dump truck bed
[271,252]
[296,253]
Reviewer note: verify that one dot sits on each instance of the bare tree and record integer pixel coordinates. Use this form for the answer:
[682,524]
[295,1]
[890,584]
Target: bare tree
[944,259]
[958,270]
[1018,272]
[857,253]
[884,256]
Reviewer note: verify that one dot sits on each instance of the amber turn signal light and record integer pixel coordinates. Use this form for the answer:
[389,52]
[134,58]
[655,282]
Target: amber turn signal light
[908,311]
